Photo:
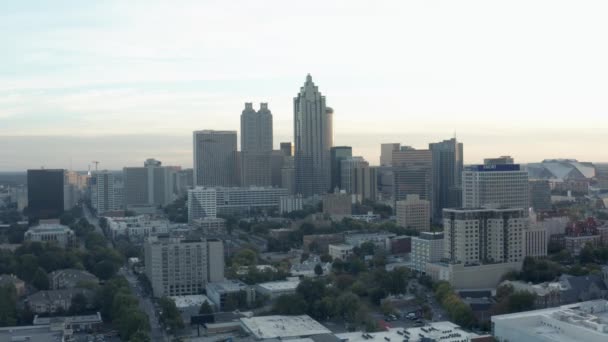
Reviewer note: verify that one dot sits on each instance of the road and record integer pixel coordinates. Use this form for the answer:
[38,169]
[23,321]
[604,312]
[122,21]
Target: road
[145,304]
[95,222]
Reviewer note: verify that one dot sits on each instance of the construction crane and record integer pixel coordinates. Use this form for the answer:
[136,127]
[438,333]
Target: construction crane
[96,165]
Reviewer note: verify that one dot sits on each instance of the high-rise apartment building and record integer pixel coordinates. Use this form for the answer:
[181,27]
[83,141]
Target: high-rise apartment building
[386,153]
[337,154]
[103,192]
[447,175]
[540,194]
[480,236]
[313,137]
[256,146]
[202,203]
[45,193]
[412,173]
[414,213]
[150,185]
[178,267]
[427,247]
[215,157]
[358,178]
[497,186]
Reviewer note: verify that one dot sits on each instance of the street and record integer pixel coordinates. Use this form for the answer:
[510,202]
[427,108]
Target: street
[95,222]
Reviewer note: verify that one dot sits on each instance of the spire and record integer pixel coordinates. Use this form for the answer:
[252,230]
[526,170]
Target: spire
[308,78]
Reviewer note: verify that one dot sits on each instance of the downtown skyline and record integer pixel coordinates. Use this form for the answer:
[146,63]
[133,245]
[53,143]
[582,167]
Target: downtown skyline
[85,92]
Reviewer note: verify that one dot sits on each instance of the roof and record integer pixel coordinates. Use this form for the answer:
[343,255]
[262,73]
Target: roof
[226,286]
[68,319]
[265,327]
[439,331]
[285,285]
[41,333]
[190,301]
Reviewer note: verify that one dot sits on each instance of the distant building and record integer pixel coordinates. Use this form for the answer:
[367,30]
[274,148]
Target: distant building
[256,146]
[386,153]
[275,289]
[177,266]
[215,156]
[337,205]
[380,240]
[569,323]
[412,173]
[540,195]
[414,213]
[202,203]
[219,291]
[340,251]
[70,278]
[288,204]
[150,185]
[299,328]
[358,178]
[53,301]
[601,175]
[447,168]
[502,160]
[338,153]
[104,193]
[319,243]
[62,235]
[211,226]
[288,175]
[497,186]
[427,247]
[286,148]
[45,193]
[184,180]
[537,241]
[313,138]
[248,200]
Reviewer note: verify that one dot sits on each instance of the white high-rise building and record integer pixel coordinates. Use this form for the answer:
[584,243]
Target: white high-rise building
[215,157]
[427,247]
[202,203]
[414,213]
[496,186]
[479,236]
[256,146]
[313,138]
[178,267]
[103,192]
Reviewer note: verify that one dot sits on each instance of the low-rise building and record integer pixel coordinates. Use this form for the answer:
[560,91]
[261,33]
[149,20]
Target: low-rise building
[70,278]
[427,247]
[219,291]
[282,327]
[190,305]
[287,204]
[338,205]
[380,240]
[472,277]
[537,241]
[78,323]
[340,251]
[211,226]
[575,244]
[57,233]
[435,331]
[586,321]
[137,228]
[276,289]
[52,301]
[307,267]
[319,243]
[35,333]
[400,245]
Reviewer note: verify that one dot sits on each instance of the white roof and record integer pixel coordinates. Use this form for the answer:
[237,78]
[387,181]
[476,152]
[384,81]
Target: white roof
[439,331]
[286,285]
[265,327]
[190,301]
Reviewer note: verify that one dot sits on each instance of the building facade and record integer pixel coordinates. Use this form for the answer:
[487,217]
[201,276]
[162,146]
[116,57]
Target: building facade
[447,160]
[45,193]
[256,146]
[497,186]
[337,155]
[178,267]
[427,247]
[540,195]
[202,203]
[62,235]
[358,178]
[215,157]
[313,138]
[412,173]
[414,213]
[150,185]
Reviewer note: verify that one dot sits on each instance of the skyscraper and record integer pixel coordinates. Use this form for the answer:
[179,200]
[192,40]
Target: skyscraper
[45,192]
[447,175]
[386,153]
[151,184]
[286,148]
[495,186]
[313,137]
[338,153]
[103,197]
[358,178]
[256,145]
[412,173]
[214,158]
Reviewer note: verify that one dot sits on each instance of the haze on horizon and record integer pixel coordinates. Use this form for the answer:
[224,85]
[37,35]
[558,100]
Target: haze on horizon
[120,82]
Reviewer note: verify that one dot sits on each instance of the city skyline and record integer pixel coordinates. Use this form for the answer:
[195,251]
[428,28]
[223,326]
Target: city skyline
[93,83]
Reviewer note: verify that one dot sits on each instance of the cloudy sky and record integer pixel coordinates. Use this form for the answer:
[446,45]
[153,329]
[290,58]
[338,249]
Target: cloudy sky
[121,81]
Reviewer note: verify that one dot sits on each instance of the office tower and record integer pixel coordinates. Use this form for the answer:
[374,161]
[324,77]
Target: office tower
[150,185]
[386,183]
[540,194]
[313,137]
[358,178]
[479,236]
[496,186]
[256,145]
[427,247]
[288,175]
[277,159]
[183,180]
[178,266]
[202,203]
[286,148]
[74,184]
[103,194]
[447,175]
[412,173]
[215,158]
[414,213]
[45,193]
[386,153]
[337,154]
[498,161]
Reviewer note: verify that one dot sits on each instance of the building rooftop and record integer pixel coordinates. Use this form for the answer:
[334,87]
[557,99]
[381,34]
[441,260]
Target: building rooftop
[190,301]
[227,286]
[96,318]
[265,327]
[41,333]
[437,331]
[343,246]
[286,285]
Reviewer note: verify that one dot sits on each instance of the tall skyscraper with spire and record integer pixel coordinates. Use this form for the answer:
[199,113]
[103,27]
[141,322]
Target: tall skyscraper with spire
[313,138]
[256,146]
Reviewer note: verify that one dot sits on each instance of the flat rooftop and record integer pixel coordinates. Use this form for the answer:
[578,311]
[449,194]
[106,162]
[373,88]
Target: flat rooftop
[285,285]
[226,286]
[439,331]
[190,301]
[265,327]
[40,333]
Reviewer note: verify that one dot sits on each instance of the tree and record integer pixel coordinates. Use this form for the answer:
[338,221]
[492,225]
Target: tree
[318,270]
[521,301]
[311,290]
[79,304]
[348,304]
[170,314]
[8,306]
[205,309]
[40,280]
[289,305]
[245,257]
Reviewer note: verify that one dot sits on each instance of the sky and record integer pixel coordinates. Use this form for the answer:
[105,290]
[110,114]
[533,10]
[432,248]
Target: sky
[122,81]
